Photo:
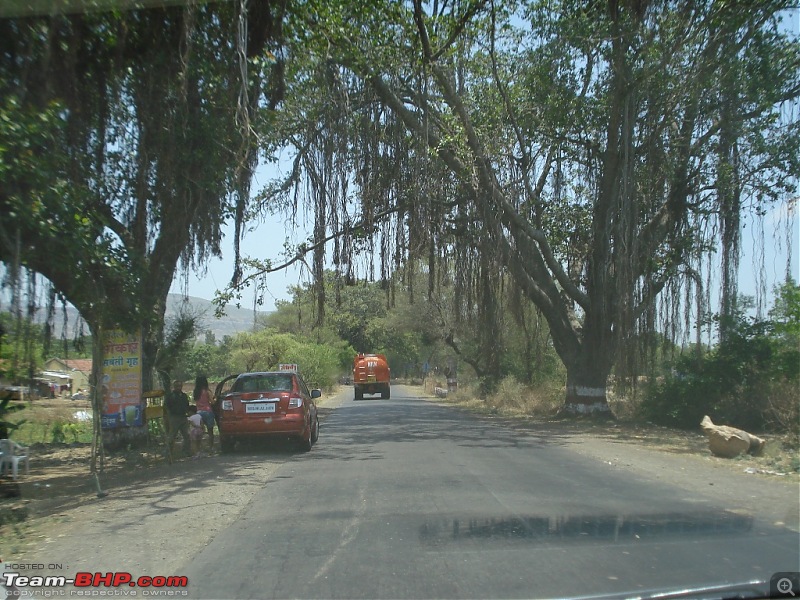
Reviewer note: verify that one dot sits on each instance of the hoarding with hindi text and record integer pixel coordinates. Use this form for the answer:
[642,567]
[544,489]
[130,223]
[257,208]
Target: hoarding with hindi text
[122,380]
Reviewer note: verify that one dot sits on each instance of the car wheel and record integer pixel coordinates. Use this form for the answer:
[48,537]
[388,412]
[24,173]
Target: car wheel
[315,431]
[306,441]
[226,444]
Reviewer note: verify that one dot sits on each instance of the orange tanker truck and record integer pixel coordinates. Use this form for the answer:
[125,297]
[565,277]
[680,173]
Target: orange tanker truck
[370,375]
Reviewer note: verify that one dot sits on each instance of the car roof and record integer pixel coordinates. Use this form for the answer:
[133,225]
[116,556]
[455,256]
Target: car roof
[262,373]
[268,373]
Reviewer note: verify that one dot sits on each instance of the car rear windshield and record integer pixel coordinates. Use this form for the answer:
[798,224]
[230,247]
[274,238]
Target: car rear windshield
[264,383]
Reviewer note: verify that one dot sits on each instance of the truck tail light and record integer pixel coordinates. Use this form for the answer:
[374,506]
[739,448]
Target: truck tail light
[295,402]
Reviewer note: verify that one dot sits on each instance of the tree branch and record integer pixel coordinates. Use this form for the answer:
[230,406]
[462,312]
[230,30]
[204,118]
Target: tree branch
[304,249]
[471,11]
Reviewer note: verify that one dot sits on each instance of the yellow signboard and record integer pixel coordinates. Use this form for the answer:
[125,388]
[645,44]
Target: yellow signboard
[122,380]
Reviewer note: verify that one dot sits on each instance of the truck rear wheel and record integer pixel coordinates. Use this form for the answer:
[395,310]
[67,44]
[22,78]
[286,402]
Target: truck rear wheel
[359,394]
[386,393]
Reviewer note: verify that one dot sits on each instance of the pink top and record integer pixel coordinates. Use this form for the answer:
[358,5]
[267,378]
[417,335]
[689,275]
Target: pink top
[204,401]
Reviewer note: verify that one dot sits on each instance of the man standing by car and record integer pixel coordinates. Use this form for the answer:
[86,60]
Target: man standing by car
[177,407]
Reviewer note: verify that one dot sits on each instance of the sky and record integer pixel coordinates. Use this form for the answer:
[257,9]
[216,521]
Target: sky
[265,242]
[262,240]
[777,236]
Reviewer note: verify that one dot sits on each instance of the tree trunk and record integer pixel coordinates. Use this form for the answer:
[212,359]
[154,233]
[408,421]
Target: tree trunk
[96,391]
[586,393]
[152,337]
[588,370]
[586,390]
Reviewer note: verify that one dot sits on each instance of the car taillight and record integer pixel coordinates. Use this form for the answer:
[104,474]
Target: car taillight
[227,405]
[295,402]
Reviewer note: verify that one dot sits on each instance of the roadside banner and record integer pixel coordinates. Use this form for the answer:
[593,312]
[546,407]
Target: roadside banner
[122,380]
[291,368]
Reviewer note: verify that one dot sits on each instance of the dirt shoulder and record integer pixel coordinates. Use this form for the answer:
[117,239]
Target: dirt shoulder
[166,513]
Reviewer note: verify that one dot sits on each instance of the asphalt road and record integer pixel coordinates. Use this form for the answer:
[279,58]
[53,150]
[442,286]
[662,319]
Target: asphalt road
[402,498]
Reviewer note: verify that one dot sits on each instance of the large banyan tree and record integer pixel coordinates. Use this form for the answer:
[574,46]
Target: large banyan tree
[587,152]
[127,139]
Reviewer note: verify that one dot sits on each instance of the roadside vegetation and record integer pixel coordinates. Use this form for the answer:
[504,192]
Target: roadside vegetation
[748,379]
[52,421]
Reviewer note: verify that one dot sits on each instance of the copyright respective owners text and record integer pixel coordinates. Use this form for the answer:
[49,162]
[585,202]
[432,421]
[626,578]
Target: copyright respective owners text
[72,593]
[36,580]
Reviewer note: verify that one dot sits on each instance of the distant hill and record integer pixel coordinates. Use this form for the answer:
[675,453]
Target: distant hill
[234,321]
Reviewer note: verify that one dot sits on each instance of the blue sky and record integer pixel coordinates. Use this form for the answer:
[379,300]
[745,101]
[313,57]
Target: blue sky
[262,240]
[778,236]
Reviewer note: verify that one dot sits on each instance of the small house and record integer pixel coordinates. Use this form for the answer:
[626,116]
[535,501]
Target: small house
[67,375]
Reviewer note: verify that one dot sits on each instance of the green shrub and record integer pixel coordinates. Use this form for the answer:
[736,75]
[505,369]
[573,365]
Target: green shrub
[74,431]
[62,431]
[750,380]
[318,364]
[57,435]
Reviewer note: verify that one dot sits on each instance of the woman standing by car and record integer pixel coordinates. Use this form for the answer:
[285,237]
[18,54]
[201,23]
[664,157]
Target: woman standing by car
[202,399]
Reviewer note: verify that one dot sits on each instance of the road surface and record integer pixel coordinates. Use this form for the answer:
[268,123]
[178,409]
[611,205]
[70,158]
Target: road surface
[404,498]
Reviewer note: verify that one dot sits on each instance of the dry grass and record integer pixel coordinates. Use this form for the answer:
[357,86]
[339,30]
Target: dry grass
[515,399]
[52,420]
[511,398]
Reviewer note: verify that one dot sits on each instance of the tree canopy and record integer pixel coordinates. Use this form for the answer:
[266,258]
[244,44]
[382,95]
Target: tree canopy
[126,143]
[126,140]
[584,157]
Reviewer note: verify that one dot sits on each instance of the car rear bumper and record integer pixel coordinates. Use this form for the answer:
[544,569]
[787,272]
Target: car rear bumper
[261,425]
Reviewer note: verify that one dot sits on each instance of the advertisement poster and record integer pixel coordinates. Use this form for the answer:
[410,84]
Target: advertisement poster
[122,380]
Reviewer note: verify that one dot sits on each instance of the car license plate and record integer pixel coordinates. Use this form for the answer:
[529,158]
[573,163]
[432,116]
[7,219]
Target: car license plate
[268,407]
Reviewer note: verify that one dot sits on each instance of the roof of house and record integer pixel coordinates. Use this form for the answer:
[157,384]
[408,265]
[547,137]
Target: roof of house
[84,365]
[80,364]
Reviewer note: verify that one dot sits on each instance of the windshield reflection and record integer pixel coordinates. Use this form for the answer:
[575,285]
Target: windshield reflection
[617,528]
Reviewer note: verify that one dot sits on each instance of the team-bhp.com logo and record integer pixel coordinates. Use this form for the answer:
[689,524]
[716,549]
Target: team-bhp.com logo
[151,586]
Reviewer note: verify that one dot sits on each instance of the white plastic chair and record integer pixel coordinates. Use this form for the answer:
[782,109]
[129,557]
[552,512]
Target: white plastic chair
[11,454]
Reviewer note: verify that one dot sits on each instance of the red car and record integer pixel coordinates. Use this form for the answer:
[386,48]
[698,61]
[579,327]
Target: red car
[275,404]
